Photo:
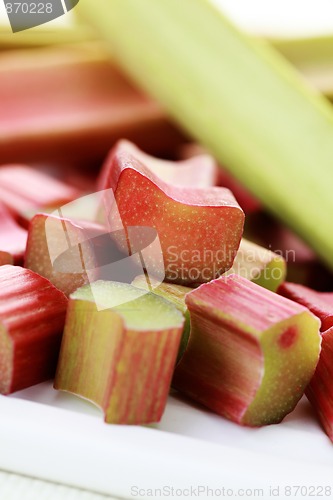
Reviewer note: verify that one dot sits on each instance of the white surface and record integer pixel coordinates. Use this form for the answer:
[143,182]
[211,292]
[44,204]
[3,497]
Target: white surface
[15,487]
[273,17]
[58,437]
[281,17]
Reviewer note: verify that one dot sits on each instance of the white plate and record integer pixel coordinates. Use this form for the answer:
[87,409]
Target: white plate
[56,436]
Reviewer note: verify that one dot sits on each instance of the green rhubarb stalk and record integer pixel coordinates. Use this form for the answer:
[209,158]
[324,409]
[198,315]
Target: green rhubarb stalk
[238,97]
[42,37]
[313,57]
[259,265]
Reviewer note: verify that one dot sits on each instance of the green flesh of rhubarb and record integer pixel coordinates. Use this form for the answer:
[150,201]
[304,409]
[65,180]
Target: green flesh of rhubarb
[313,57]
[237,96]
[175,294]
[259,265]
[290,357]
[121,357]
[250,355]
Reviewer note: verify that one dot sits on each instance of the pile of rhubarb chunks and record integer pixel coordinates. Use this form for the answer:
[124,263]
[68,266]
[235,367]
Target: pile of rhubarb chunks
[143,277]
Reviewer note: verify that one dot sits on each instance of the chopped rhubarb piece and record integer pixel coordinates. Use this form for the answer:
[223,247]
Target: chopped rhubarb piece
[199,171]
[122,357]
[23,188]
[259,265]
[71,104]
[32,316]
[13,238]
[49,237]
[319,303]
[320,389]
[199,229]
[251,352]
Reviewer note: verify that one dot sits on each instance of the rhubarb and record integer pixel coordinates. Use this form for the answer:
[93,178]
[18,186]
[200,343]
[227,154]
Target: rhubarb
[122,357]
[199,171]
[199,228]
[251,352]
[259,265]
[77,105]
[32,316]
[238,97]
[320,389]
[312,57]
[319,303]
[24,189]
[6,258]
[13,238]
[49,237]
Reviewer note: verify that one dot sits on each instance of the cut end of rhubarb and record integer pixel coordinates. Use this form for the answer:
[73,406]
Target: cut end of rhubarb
[119,350]
[259,265]
[250,354]
[291,351]
[134,305]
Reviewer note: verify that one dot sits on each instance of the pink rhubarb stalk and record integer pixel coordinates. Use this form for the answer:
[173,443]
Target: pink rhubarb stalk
[32,316]
[13,238]
[24,189]
[251,352]
[199,171]
[72,104]
[119,350]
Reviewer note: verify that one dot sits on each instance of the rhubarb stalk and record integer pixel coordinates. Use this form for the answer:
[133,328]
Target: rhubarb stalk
[238,97]
[32,316]
[121,357]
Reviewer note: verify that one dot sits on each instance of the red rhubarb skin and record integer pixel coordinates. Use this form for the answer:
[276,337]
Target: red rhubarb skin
[199,171]
[319,303]
[135,366]
[71,105]
[320,389]
[141,391]
[199,229]
[13,238]
[224,352]
[32,317]
[23,188]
